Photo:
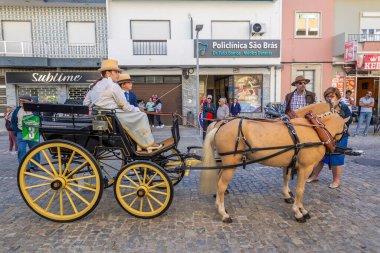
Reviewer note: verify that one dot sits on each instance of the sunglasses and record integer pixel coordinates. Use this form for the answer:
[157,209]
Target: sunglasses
[300,83]
[208,98]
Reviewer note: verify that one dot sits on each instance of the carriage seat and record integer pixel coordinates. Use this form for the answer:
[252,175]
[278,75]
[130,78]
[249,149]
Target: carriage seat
[166,144]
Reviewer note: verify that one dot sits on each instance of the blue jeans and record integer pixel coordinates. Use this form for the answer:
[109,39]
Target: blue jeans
[22,149]
[367,116]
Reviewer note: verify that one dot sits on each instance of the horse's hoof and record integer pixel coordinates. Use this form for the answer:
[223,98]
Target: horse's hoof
[226,192]
[307,216]
[227,220]
[289,200]
[214,196]
[301,220]
[291,194]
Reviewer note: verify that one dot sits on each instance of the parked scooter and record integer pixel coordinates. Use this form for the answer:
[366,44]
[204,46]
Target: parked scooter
[273,111]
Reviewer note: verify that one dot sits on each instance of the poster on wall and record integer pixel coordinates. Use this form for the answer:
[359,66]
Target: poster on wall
[350,85]
[340,85]
[249,90]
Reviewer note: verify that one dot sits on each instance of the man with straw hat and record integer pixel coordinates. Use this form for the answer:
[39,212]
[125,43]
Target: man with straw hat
[298,98]
[107,94]
[126,84]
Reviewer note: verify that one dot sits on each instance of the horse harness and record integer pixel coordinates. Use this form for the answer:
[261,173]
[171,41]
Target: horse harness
[326,139]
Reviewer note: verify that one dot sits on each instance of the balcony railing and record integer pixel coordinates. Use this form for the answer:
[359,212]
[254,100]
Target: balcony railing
[364,37]
[52,50]
[150,47]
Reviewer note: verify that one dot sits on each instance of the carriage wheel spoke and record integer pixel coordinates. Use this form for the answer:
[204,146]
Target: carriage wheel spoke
[51,201]
[41,195]
[137,175]
[77,169]
[82,186]
[133,182]
[157,185]
[159,202]
[59,160]
[36,185]
[81,178]
[151,179]
[71,202]
[37,175]
[144,178]
[42,167]
[78,195]
[127,186]
[60,202]
[158,192]
[150,204]
[107,173]
[49,161]
[129,194]
[141,204]
[68,163]
[133,201]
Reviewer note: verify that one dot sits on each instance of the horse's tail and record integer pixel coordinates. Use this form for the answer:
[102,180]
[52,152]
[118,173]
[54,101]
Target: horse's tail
[208,178]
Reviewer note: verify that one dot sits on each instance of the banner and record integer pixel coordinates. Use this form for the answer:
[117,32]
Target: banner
[30,128]
[340,85]
[368,62]
[350,85]
[349,51]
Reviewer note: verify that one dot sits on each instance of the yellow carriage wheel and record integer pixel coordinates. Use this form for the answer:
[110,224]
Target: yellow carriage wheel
[57,188]
[171,160]
[143,189]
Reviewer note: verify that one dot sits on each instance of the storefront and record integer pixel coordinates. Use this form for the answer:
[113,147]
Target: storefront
[53,87]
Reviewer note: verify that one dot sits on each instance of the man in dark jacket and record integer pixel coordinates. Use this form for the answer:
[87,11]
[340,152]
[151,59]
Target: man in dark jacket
[208,113]
[235,108]
[299,98]
[16,124]
[126,84]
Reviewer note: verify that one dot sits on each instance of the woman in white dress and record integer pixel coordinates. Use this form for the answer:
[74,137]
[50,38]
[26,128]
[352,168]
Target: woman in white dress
[105,93]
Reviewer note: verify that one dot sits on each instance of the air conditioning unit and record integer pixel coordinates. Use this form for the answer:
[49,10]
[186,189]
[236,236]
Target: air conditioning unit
[258,28]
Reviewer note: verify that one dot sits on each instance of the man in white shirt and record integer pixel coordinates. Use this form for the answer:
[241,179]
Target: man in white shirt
[366,103]
[348,100]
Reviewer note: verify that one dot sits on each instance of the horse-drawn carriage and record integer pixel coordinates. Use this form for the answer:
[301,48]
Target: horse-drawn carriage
[81,155]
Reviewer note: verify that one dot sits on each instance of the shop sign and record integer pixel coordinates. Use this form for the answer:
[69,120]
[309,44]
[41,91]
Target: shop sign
[238,48]
[349,51]
[51,77]
[368,62]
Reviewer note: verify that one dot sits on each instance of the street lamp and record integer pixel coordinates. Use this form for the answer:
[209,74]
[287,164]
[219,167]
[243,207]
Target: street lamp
[198,28]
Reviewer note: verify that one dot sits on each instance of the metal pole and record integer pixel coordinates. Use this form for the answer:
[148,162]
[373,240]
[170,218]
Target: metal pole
[197,84]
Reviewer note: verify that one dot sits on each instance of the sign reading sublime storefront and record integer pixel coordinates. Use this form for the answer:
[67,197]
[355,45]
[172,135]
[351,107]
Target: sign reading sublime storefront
[238,48]
[51,77]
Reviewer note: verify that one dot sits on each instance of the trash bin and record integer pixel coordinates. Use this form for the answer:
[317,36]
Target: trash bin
[190,119]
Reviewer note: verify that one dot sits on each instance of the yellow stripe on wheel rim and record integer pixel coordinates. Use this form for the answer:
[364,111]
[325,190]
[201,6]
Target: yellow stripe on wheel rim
[70,193]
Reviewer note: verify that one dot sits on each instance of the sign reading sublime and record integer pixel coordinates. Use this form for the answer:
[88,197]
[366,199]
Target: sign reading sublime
[51,77]
[238,48]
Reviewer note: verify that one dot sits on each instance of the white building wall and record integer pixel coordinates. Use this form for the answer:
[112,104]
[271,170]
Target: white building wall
[181,45]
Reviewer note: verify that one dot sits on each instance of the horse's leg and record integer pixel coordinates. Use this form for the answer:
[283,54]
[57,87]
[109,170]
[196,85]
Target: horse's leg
[289,198]
[225,177]
[300,213]
[216,195]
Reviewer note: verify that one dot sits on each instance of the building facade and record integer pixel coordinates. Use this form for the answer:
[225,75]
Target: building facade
[307,35]
[357,48]
[50,49]
[239,50]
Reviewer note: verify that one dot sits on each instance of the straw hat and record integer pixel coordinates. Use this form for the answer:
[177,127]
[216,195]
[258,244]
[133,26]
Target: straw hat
[299,79]
[123,78]
[109,65]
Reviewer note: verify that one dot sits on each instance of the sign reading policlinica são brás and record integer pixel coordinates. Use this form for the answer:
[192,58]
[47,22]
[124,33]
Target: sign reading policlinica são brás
[238,48]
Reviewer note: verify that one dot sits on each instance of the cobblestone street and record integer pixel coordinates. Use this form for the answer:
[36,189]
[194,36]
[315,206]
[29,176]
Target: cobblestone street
[346,219]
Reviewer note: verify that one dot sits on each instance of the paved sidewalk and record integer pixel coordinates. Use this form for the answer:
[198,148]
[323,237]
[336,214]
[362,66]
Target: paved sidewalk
[343,220]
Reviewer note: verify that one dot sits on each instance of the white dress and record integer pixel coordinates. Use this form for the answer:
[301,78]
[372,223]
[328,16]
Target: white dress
[108,95]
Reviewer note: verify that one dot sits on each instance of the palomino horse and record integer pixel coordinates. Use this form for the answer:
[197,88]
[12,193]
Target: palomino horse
[261,134]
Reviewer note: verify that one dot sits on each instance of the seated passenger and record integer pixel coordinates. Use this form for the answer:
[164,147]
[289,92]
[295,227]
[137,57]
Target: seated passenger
[105,93]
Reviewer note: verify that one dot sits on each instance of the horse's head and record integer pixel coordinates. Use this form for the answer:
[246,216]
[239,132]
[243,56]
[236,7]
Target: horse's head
[335,124]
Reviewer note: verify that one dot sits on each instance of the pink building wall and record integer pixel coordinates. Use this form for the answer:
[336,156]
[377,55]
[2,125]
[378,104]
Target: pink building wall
[307,50]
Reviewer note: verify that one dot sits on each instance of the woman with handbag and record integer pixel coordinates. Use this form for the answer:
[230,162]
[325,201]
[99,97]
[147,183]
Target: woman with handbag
[12,137]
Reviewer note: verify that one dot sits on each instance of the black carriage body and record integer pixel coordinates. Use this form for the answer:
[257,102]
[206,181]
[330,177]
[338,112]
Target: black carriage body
[73,123]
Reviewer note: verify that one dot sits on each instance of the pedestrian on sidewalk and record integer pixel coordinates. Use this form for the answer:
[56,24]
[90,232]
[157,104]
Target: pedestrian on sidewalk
[235,108]
[11,135]
[208,113]
[223,112]
[336,161]
[158,104]
[366,104]
[150,108]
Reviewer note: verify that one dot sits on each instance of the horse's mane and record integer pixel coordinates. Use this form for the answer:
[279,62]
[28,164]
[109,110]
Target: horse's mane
[319,108]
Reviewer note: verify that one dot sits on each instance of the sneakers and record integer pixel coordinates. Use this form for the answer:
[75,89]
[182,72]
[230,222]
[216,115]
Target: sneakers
[162,126]
[152,126]
[14,153]
[7,152]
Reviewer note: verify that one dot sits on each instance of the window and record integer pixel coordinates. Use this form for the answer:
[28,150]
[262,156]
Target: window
[17,37]
[308,74]
[81,33]
[150,29]
[308,25]
[233,30]
[157,79]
